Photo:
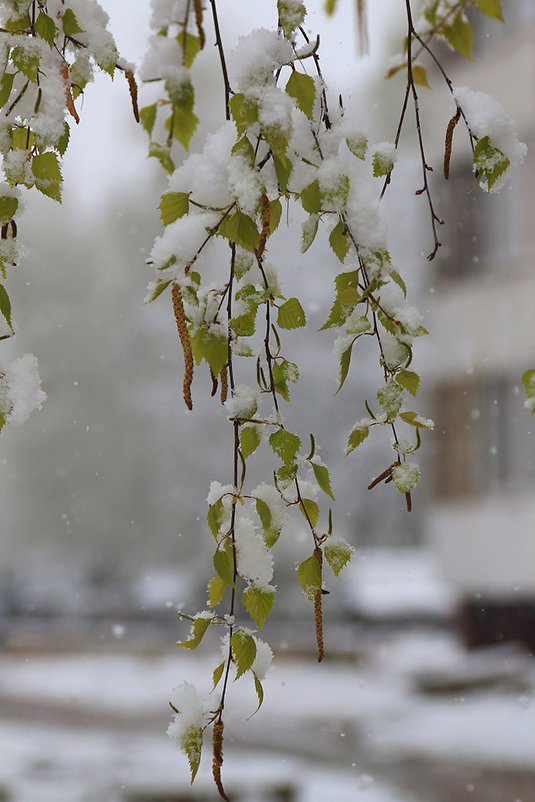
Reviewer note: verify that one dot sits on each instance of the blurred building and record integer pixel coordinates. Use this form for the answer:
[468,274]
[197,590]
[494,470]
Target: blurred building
[482,519]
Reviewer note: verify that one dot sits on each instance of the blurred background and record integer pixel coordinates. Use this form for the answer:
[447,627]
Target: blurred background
[428,690]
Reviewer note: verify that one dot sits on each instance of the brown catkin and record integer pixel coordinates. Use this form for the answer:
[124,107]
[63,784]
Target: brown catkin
[132,85]
[318,610]
[224,384]
[449,139]
[197,5]
[266,220]
[217,757]
[183,333]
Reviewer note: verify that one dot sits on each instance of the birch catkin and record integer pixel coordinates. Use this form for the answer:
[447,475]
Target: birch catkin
[217,757]
[449,139]
[183,333]
[224,384]
[318,609]
[197,5]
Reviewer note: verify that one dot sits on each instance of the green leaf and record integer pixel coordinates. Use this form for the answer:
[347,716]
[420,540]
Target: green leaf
[286,474]
[310,511]
[45,27]
[489,160]
[271,530]
[16,24]
[275,215]
[339,240]
[244,112]
[409,380]
[460,35]
[211,347]
[241,229]
[291,16]
[185,123]
[198,629]
[337,553]
[321,473]
[190,46]
[394,275]
[357,436]
[358,146]
[218,673]
[172,206]
[283,372]
[244,149]
[405,476]
[63,142]
[163,154]
[27,64]
[245,325]
[216,590]
[416,420]
[258,603]
[336,195]
[330,7]
[345,361]
[215,517]
[191,743]
[223,565]
[309,231]
[382,164]
[259,692]
[291,315]
[302,88]
[160,287]
[264,513]
[430,12]
[419,75]
[147,117]
[8,208]
[528,380]
[311,199]
[6,84]
[70,23]
[5,306]
[249,440]
[277,138]
[285,444]
[45,167]
[492,8]
[244,651]
[309,576]
[283,168]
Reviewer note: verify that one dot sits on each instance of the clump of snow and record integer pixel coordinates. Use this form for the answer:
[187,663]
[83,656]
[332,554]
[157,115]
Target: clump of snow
[243,403]
[257,56]
[263,659]
[487,117]
[254,560]
[20,389]
[217,491]
[192,712]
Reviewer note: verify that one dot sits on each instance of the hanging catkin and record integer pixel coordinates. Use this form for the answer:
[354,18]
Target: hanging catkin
[318,610]
[183,333]
[449,139]
[217,757]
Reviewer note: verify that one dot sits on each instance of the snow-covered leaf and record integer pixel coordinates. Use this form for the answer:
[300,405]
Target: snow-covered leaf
[244,651]
[258,602]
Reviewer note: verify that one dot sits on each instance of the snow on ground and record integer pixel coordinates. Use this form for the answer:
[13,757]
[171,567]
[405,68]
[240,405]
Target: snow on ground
[321,726]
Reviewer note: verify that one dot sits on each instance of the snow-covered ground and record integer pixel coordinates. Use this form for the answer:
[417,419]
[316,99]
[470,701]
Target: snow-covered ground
[80,727]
